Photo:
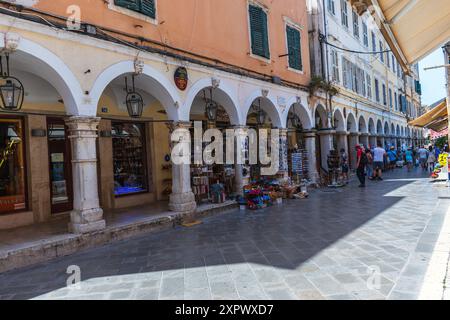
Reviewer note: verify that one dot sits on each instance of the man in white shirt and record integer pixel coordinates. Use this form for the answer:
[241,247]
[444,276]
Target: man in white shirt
[378,161]
[423,157]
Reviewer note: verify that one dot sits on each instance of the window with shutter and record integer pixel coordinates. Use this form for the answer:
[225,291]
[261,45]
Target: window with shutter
[335,66]
[344,13]
[294,48]
[377,90]
[369,86]
[259,32]
[146,7]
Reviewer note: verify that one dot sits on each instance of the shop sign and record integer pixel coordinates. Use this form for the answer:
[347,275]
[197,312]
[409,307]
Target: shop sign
[181,78]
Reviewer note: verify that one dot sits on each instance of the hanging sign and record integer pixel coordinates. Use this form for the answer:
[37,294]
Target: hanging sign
[181,78]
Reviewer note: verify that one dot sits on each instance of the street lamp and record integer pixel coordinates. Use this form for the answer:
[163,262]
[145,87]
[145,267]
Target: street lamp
[134,101]
[260,113]
[294,119]
[211,107]
[11,89]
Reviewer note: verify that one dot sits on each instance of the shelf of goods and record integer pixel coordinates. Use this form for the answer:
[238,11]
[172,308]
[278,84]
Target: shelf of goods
[298,163]
[441,170]
[129,166]
[262,193]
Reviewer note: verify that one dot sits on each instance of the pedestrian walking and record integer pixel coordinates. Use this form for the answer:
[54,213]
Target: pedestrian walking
[378,160]
[423,157]
[392,158]
[361,166]
[409,157]
[344,165]
[369,166]
[431,159]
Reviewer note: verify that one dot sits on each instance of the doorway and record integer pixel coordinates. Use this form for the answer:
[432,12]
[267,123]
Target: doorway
[60,167]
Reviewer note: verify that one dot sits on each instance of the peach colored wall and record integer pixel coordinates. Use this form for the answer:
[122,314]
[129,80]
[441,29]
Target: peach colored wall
[217,29]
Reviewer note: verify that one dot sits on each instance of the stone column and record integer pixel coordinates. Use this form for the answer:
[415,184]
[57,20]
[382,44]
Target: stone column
[87,216]
[241,133]
[364,139]
[373,140]
[310,146]
[284,169]
[381,140]
[342,141]
[182,198]
[354,140]
[326,144]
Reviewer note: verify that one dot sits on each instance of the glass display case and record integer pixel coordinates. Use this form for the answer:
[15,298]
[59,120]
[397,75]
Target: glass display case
[12,166]
[129,158]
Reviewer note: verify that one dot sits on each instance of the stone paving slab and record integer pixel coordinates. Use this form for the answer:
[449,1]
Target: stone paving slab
[351,244]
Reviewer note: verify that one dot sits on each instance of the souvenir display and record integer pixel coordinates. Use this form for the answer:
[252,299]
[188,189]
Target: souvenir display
[130,168]
[441,171]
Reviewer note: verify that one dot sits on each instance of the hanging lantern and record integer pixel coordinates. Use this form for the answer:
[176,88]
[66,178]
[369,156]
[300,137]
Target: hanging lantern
[134,101]
[11,89]
[260,114]
[295,121]
[211,107]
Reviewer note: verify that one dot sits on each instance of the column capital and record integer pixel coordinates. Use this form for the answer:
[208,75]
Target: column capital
[239,126]
[310,133]
[354,134]
[342,133]
[83,124]
[283,131]
[180,125]
[325,132]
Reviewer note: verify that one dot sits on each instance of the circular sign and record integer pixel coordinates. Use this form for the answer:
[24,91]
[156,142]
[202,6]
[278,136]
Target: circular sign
[181,78]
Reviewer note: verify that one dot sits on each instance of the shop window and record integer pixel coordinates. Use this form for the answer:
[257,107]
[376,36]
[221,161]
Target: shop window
[146,7]
[12,166]
[129,158]
[259,32]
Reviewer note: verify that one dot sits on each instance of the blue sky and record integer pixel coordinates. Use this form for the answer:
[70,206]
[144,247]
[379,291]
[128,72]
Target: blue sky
[433,81]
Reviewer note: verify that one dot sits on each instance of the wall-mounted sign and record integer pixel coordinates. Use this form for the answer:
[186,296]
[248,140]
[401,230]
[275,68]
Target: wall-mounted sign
[181,78]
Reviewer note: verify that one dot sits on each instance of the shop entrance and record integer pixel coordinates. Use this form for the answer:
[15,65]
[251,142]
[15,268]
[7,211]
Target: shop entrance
[59,166]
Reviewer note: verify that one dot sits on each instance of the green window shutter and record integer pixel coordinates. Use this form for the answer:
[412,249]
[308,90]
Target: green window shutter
[129,4]
[148,8]
[294,48]
[259,32]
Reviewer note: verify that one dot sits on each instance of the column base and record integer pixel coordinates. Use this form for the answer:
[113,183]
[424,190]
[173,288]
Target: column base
[85,221]
[314,177]
[182,202]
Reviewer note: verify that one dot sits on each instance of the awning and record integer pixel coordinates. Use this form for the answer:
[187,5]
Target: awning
[435,119]
[413,28]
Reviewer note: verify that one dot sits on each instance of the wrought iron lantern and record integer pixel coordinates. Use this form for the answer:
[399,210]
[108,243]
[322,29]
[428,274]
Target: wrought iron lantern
[211,106]
[11,89]
[295,120]
[134,101]
[260,113]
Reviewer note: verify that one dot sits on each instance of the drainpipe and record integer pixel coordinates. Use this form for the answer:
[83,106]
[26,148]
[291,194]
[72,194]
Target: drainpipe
[326,64]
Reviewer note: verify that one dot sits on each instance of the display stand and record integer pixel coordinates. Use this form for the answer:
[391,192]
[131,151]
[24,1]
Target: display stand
[441,170]
[129,165]
[299,165]
[200,182]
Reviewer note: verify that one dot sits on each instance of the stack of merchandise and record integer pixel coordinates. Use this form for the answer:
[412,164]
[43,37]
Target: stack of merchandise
[262,193]
[218,193]
[441,169]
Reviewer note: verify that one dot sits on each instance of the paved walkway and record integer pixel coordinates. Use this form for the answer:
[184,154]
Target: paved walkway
[351,243]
